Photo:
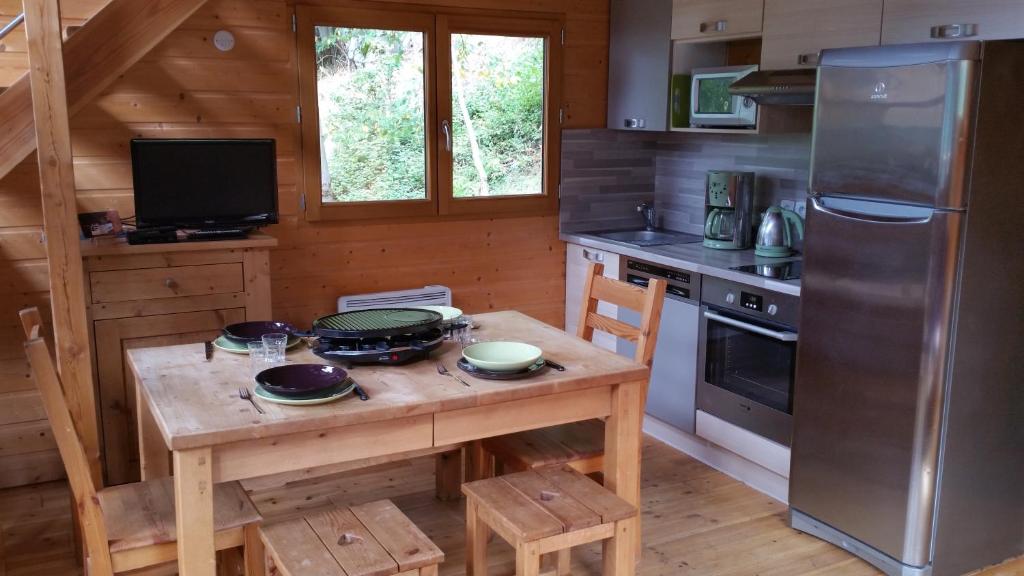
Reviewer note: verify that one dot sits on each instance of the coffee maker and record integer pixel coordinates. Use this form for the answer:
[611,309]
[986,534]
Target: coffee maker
[728,203]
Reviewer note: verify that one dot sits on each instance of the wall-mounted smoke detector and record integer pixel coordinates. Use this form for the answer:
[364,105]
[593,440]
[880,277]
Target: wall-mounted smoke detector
[224,40]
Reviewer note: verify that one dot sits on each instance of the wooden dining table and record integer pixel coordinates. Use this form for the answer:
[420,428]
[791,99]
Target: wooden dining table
[189,406]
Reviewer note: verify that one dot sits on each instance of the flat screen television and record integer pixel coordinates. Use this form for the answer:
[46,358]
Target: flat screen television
[204,184]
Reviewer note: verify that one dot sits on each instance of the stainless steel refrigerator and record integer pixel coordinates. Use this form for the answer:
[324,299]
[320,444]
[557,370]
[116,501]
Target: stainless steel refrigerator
[908,445]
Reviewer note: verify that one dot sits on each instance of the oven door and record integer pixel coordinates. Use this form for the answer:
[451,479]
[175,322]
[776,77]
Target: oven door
[748,372]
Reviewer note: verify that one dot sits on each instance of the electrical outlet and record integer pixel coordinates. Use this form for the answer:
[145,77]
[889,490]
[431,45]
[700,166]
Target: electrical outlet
[787,204]
[801,209]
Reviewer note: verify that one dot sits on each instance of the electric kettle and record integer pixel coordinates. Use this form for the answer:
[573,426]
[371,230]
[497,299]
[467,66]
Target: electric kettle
[774,238]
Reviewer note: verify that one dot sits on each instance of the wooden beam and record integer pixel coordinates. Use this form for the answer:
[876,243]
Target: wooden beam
[60,219]
[117,37]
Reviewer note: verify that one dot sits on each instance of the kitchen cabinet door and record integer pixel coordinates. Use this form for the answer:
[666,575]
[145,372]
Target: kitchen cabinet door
[638,64]
[716,19]
[795,31]
[907,21]
[577,261]
[116,386]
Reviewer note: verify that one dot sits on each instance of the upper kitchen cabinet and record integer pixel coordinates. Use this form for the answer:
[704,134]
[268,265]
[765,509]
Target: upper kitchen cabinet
[907,21]
[795,31]
[638,64]
[711,20]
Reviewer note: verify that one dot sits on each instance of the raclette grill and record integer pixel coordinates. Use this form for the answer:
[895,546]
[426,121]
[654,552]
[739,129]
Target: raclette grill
[377,336]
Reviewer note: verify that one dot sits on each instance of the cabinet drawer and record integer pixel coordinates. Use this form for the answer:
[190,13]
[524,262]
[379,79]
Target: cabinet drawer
[147,284]
[796,30]
[908,21]
[716,19]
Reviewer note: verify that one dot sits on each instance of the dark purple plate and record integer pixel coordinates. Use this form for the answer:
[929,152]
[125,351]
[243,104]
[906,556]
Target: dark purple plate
[301,380]
[245,332]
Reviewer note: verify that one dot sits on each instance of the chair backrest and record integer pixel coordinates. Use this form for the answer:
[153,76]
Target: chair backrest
[647,301]
[68,443]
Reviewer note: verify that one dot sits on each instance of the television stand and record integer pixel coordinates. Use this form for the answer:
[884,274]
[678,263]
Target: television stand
[217,234]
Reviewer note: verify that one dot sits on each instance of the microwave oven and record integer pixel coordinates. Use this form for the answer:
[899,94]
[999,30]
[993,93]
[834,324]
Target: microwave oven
[711,104]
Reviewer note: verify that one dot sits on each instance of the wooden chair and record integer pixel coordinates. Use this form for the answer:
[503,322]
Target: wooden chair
[541,511]
[373,539]
[131,526]
[580,444]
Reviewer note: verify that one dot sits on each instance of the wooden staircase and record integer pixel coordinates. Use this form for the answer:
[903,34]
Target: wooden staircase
[109,43]
[35,110]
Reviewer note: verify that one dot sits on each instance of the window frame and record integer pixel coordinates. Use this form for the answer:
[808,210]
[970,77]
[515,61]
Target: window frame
[437,27]
[550,30]
[308,17]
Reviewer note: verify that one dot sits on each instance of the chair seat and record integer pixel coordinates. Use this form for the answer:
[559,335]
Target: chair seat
[374,539]
[142,514]
[537,504]
[550,446]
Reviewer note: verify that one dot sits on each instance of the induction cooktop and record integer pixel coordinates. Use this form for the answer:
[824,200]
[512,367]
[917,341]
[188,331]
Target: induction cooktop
[775,270]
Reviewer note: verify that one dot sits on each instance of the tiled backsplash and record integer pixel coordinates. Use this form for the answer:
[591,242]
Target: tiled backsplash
[606,173]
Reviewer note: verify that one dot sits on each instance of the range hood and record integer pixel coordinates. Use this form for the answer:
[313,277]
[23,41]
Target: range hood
[778,87]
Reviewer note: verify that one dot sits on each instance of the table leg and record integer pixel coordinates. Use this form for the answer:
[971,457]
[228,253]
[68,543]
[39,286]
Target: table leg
[193,505]
[622,443]
[154,459]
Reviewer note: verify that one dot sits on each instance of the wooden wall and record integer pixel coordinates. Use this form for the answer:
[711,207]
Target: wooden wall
[184,88]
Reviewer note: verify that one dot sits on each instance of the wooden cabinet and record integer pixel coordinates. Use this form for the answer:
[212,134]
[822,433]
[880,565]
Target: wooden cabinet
[638,64]
[907,21]
[716,19]
[795,31]
[577,260]
[159,295]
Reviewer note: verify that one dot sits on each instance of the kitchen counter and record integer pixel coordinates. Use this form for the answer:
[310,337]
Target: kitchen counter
[693,258]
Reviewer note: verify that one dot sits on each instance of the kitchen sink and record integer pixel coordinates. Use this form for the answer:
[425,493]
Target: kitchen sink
[649,237]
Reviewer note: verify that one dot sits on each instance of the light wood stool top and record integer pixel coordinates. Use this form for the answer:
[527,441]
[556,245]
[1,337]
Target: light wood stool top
[539,512]
[374,539]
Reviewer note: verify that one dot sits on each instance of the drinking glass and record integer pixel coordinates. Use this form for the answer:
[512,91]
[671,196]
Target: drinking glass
[257,358]
[462,330]
[275,344]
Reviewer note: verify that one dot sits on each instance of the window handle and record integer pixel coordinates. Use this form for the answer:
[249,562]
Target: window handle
[446,127]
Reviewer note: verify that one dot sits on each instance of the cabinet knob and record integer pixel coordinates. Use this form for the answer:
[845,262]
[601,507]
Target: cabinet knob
[634,123]
[809,59]
[593,256]
[171,283]
[954,30]
[713,27]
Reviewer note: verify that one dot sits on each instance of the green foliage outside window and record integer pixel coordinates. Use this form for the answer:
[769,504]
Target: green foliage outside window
[370,91]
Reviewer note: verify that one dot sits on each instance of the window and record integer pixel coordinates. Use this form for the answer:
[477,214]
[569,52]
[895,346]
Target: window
[409,114]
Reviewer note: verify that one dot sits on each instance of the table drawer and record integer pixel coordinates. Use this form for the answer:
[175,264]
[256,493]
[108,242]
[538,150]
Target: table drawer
[147,284]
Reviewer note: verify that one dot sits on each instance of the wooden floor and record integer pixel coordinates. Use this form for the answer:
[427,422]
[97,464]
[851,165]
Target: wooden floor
[696,521]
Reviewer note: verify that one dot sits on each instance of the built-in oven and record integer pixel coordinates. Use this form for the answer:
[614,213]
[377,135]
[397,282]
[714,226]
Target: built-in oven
[747,357]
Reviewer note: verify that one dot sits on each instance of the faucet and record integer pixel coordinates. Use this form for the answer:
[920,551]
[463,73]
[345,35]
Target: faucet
[647,211]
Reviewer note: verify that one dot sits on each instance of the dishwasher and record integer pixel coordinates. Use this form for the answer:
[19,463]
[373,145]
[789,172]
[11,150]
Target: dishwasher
[672,394]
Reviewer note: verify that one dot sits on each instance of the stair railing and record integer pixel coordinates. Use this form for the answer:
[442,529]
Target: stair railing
[12,25]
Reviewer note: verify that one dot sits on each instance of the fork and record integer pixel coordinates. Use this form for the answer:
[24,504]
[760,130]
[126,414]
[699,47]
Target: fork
[444,371]
[244,394]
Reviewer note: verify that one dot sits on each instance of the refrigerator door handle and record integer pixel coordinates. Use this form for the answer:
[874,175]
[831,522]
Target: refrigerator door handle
[782,336]
[876,212]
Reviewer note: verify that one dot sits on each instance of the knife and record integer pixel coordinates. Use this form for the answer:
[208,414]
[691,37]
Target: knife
[360,392]
[554,365]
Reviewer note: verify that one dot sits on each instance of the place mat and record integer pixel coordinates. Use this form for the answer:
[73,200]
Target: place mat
[338,394]
[537,368]
[226,345]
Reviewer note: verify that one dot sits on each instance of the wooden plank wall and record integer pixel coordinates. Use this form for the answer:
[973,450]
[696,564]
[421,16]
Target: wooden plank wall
[186,88]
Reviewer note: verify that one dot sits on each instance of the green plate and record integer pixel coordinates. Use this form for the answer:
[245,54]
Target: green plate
[448,313]
[502,356]
[228,346]
[274,398]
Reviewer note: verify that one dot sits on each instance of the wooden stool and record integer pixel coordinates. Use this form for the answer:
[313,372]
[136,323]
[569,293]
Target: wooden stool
[543,511]
[373,539]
